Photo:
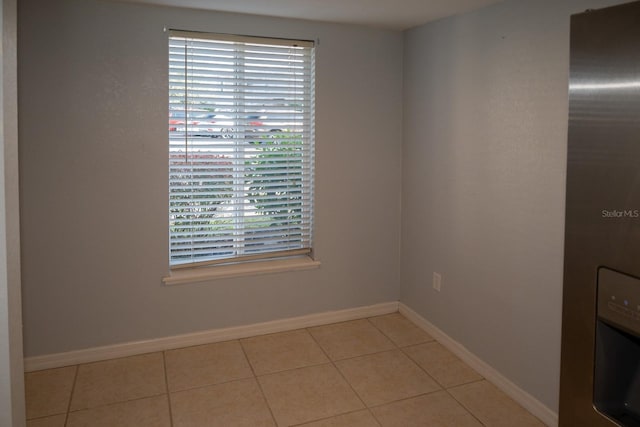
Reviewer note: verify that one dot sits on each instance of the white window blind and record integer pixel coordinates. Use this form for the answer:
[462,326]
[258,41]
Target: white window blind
[241,148]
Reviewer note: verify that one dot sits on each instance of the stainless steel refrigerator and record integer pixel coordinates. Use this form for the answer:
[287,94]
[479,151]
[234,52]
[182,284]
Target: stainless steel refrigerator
[600,374]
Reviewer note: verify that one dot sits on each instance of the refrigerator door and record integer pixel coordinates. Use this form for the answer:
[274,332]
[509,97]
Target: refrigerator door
[603,192]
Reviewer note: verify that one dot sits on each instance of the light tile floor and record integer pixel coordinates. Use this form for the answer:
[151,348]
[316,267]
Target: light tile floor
[378,372]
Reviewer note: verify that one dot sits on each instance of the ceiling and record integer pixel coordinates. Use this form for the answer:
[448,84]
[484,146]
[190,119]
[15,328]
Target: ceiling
[389,14]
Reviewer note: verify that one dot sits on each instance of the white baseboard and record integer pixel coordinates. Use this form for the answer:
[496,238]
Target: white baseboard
[529,402]
[96,354]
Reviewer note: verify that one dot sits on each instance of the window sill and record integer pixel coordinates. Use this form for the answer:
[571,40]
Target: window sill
[203,274]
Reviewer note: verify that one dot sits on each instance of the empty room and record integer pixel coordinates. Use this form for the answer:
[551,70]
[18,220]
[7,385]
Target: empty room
[318,213]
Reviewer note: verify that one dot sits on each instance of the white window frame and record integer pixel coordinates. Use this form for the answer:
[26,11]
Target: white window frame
[241,155]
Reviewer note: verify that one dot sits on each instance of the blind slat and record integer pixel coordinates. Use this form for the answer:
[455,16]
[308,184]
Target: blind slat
[241,153]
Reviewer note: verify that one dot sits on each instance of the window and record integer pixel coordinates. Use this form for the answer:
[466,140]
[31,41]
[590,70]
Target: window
[241,155]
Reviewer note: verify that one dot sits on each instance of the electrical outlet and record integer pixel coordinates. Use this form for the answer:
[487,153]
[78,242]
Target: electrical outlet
[437,281]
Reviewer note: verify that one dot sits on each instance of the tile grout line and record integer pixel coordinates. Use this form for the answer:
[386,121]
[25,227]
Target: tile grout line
[463,405]
[392,342]
[255,378]
[198,387]
[166,387]
[333,416]
[408,320]
[402,349]
[374,417]
[404,399]
[110,403]
[397,348]
[423,369]
[119,402]
[351,357]
[310,365]
[368,319]
[73,389]
[443,388]
[343,377]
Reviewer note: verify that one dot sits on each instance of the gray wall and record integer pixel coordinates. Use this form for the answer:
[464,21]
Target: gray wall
[485,125]
[12,407]
[93,147]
